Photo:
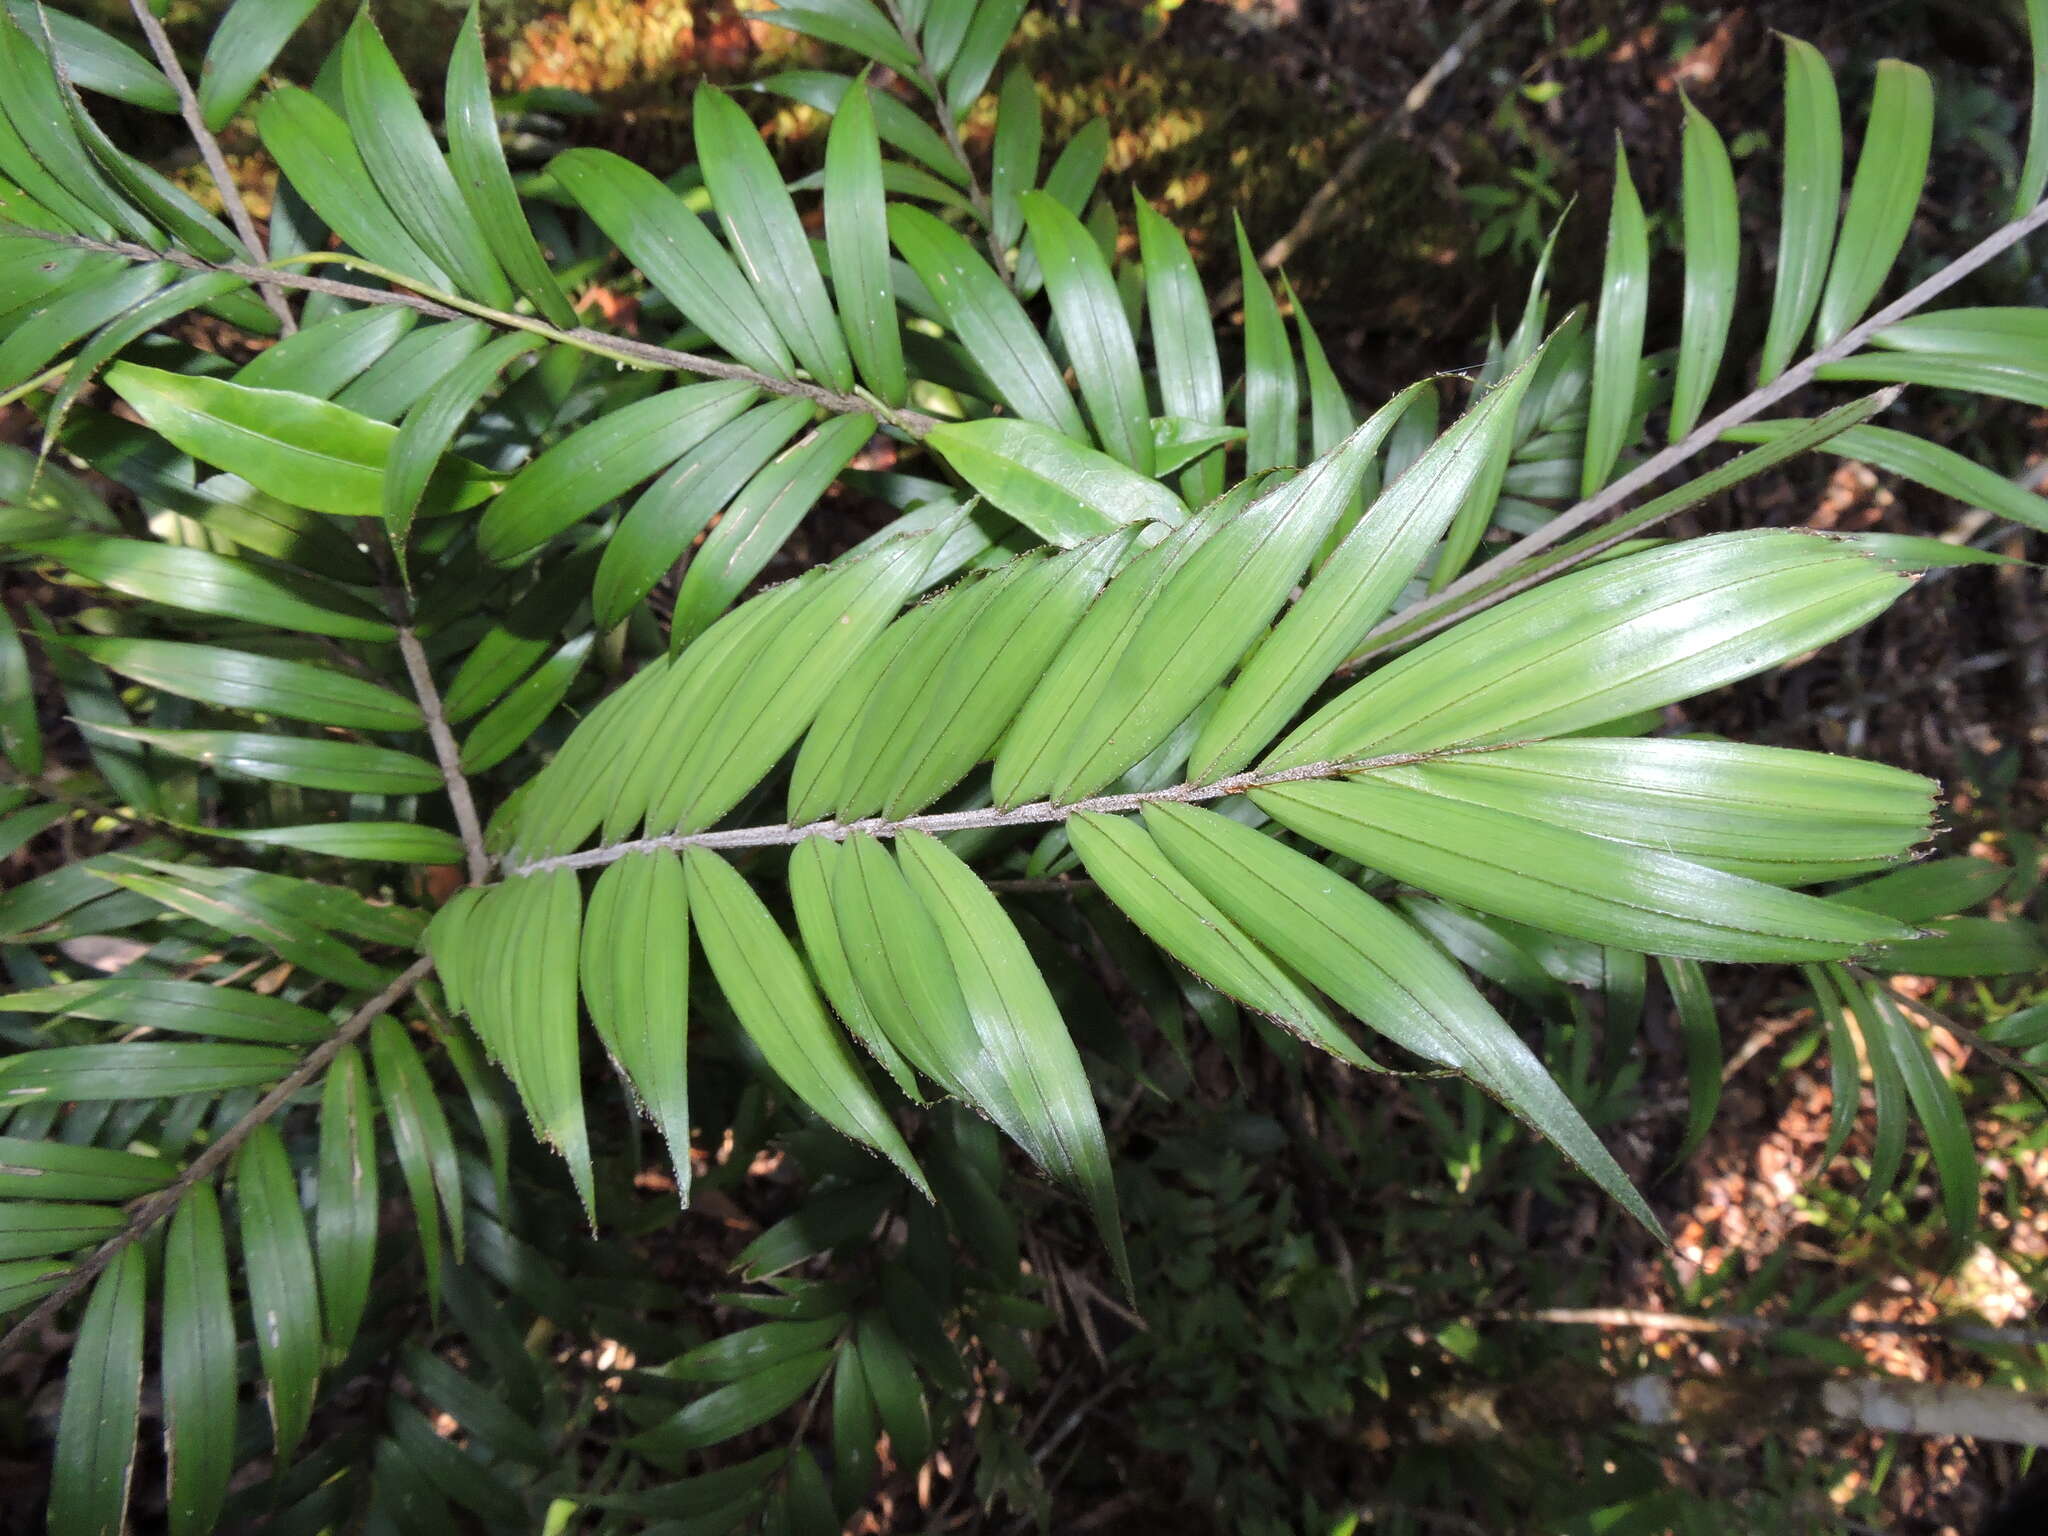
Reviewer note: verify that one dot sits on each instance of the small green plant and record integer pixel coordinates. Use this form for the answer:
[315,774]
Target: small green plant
[418,572]
[1514,214]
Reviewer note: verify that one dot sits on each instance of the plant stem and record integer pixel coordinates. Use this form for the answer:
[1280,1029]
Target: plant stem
[51,375]
[949,130]
[446,753]
[398,603]
[154,1208]
[209,151]
[1639,519]
[1478,588]
[1037,813]
[1463,597]
[440,306]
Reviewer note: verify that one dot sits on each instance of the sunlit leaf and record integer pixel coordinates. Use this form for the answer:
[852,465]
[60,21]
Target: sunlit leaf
[1617,330]
[1890,171]
[1811,205]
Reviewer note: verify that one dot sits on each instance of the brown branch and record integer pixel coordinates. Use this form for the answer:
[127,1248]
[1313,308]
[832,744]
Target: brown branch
[623,349]
[209,151]
[446,753]
[154,1208]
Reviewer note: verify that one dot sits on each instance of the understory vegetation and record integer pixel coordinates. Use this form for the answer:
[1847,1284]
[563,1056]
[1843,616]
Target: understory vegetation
[776,799]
